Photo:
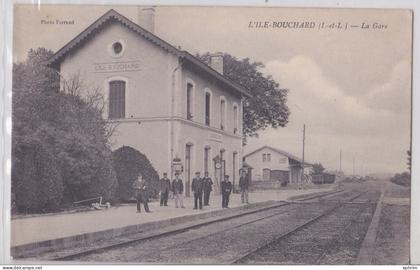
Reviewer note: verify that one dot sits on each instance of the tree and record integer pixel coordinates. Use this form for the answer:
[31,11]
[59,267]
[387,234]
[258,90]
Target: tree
[267,107]
[82,149]
[409,160]
[69,130]
[38,186]
[402,179]
[317,168]
[128,164]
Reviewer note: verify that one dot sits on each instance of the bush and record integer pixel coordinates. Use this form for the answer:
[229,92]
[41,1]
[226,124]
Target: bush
[128,164]
[402,179]
[58,136]
[38,185]
[103,182]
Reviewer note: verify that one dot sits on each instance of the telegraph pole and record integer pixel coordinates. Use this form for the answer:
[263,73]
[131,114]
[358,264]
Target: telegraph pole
[303,154]
[353,166]
[340,159]
[361,170]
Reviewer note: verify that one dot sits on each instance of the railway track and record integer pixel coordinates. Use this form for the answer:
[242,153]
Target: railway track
[257,214]
[315,240]
[273,250]
[186,246]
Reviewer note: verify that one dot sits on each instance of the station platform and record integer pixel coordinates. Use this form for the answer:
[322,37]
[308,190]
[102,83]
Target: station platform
[28,230]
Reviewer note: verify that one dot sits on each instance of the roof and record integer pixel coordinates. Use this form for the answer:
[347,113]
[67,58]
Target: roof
[114,16]
[282,152]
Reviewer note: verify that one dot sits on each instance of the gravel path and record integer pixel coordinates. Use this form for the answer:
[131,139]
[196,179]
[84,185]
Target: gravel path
[393,236]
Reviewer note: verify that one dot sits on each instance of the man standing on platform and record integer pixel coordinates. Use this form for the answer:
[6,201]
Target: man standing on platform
[226,190]
[197,189]
[165,186]
[207,186]
[178,189]
[140,190]
[244,185]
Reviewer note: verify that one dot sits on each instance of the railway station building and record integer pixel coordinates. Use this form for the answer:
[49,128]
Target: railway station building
[272,164]
[166,103]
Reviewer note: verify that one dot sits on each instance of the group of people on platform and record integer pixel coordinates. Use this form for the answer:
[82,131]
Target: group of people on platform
[201,188]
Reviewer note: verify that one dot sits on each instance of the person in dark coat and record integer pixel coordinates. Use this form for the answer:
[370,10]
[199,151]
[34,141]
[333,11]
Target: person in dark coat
[244,185]
[178,190]
[207,188]
[165,186]
[140,189]
[226,190]
[197,189]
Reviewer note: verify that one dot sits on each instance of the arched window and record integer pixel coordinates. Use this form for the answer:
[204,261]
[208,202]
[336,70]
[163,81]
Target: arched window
[189,100]
[116,98]
[188,169]
[234,166]
[235,119]
[206,158]
[222,114]
[207,109]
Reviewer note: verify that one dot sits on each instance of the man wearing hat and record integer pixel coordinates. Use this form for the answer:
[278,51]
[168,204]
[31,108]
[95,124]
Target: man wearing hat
[178,189]
[244,185]
[226,190]
[207,183]
[165,186]
[197,189]
[140,190]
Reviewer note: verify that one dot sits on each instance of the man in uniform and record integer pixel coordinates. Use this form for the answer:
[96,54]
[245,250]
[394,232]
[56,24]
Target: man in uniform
[165,186]
[244,185]
[178,189]
[207,183]
[197,189]
[226,190]
[140,190]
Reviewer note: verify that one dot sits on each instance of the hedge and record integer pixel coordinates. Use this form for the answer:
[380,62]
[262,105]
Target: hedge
[128,164]
[38,186]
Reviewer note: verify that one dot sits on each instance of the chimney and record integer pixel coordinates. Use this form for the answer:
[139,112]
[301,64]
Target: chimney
[146,18]
[216,62]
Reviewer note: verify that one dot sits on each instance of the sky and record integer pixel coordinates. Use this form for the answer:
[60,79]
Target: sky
[350,87]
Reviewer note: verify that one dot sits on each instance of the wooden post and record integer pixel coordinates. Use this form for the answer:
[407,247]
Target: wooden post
[303,155]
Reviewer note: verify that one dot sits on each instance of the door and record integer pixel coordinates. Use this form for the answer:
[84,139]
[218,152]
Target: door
[266,174]
[234,170]
[187,169]
[279,175]
[206,159]
[223,168]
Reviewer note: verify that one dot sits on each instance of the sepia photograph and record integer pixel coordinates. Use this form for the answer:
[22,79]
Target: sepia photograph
[211,135]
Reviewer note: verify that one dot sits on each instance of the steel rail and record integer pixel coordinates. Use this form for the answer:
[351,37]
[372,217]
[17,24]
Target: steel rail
[236,226]
[338,238]
[290,232]
[310,197]
[223,230]
[158,235]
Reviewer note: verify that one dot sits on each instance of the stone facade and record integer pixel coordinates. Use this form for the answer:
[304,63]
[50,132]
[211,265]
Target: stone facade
[157,82]
[270,164]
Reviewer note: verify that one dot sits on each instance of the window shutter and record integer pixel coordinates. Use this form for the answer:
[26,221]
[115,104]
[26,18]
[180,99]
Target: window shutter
[116,100]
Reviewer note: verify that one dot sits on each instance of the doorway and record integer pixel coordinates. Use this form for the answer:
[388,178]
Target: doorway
[266,174]
[188,148]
